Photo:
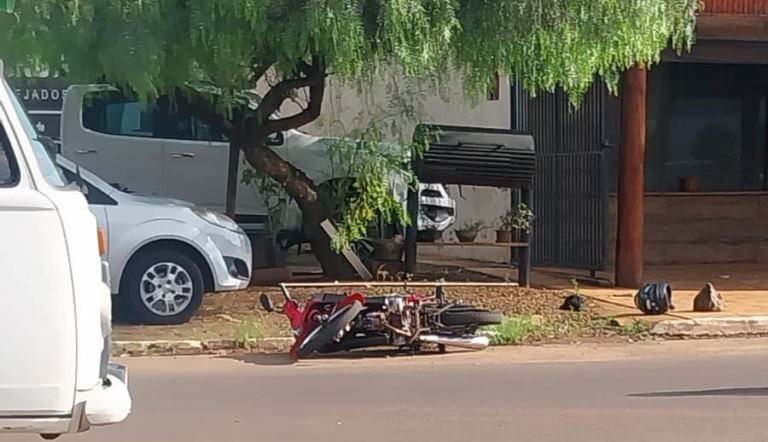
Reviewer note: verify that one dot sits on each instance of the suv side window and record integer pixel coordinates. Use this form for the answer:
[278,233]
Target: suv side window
[9,171]
[113,113]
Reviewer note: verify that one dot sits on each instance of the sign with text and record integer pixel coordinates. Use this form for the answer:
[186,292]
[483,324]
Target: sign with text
[40,94]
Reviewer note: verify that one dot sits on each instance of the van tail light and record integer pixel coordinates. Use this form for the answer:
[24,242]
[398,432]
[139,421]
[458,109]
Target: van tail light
[102,242]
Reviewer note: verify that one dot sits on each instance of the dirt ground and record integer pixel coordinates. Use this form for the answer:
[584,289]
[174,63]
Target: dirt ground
[238,315]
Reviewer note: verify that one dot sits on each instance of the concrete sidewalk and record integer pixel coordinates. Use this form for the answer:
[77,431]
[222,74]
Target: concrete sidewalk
[744,287]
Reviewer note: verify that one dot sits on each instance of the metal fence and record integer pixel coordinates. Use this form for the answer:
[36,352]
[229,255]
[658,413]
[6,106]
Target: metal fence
[570,192]
[572,206]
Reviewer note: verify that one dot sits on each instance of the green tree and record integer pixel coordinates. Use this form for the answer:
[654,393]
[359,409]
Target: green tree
[205,53]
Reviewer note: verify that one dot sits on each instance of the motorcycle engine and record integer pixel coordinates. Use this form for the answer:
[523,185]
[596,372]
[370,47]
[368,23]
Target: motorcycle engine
[395,304]
[399,312]
[394,312]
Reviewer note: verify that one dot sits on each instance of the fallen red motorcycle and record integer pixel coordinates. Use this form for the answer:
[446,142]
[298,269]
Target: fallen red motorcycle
[333,322]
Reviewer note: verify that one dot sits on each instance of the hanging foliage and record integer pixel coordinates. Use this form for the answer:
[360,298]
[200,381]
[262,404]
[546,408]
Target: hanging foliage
[154,46]
[205,53]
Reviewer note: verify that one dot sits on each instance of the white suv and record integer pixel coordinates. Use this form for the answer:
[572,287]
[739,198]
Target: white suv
[156,149]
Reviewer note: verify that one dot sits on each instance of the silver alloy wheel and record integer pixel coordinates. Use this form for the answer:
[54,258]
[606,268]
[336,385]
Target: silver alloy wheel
[166,288]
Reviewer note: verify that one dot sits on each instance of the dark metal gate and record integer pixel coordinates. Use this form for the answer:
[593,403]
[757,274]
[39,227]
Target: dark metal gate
[570,192]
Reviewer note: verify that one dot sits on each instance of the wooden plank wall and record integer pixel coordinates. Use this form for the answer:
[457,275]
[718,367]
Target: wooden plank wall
[701,229]
[748,7]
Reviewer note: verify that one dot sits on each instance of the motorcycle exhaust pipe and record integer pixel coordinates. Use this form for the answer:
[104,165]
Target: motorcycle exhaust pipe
[472,343]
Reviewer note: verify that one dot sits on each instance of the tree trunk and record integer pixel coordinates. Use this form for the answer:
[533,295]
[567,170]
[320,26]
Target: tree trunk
[334,264]
[313,208]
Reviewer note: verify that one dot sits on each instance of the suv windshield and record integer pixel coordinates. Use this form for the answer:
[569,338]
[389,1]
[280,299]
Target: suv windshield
[48,166]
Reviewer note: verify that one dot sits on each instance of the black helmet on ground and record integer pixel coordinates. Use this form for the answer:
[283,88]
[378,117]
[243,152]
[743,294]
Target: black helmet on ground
[654,298]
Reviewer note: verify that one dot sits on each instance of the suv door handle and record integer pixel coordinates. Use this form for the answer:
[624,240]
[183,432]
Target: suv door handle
[86,151]
[182,155]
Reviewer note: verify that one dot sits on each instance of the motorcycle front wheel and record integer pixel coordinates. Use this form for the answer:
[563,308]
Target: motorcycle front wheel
[324,333]
[468,318]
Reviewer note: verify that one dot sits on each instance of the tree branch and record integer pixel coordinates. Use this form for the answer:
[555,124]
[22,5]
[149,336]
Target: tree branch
[279,92]
[308,115]
[316,76]
[305,68]
[259,70]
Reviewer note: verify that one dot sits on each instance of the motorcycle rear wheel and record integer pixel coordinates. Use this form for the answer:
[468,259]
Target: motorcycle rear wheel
[324,333]
[468,318]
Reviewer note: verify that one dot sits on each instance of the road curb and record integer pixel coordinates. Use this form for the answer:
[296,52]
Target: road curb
[196,347]
[713,327]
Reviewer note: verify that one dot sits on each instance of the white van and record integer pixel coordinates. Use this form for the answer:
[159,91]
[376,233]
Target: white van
[55,308]
[157,149]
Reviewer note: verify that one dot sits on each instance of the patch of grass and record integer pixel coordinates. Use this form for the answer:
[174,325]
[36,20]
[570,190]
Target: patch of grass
[247,330]
[636,328]
[514,330]
[522,328]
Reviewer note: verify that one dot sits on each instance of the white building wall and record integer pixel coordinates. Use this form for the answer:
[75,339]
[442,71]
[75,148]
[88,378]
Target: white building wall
[344,104]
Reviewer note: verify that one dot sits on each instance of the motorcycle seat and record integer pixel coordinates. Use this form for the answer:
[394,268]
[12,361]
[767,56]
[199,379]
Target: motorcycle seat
[338,297]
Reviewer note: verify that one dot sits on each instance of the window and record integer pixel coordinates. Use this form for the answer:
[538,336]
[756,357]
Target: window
[707,128]
[116,114]
[45,161]
[113,114]
[9,173]
[706,122]
[92,194]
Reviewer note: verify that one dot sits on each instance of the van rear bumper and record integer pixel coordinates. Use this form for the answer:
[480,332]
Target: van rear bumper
[109,403]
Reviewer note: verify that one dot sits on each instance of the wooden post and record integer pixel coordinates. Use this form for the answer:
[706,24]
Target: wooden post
[524,264]
[412,231]
[631,209]
[232,178]
[514,255]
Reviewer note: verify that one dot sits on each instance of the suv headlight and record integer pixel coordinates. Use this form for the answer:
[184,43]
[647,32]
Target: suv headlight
[217,219]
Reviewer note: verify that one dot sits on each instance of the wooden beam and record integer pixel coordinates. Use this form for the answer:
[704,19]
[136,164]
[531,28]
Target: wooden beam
[721,51]
[505,245]
[348,253]
[631,213]
[739,27]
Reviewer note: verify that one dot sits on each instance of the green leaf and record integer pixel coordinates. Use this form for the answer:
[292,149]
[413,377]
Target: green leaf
[7,5]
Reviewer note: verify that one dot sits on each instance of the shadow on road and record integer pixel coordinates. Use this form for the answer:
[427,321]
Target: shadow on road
[268,359]
[272,359]
[748,391]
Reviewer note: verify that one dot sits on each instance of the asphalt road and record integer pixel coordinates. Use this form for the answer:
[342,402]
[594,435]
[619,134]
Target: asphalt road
[700,391]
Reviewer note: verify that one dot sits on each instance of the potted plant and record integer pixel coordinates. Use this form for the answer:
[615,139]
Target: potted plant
[518,218]
[468,231]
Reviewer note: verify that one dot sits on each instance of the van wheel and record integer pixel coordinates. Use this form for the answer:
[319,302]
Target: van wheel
[50,436]
[162,287]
